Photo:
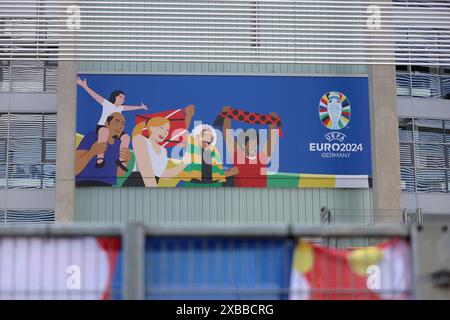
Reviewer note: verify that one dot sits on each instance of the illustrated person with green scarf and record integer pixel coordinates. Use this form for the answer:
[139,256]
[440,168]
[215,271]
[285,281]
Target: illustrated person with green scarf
[205,163]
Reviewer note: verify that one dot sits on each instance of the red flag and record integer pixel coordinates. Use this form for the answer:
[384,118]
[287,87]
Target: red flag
[369,273]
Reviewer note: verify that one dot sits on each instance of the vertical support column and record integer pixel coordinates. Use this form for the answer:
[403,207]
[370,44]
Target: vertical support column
[65,141]
[384,129]
[66,114]
[431,261]
[385,144]
[133,280]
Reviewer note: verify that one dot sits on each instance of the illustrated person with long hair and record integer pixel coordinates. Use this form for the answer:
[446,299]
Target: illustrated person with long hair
[151,157]
[150,151]
[114,104]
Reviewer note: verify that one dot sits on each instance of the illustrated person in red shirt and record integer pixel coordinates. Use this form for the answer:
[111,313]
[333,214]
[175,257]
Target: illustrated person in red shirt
[249,158]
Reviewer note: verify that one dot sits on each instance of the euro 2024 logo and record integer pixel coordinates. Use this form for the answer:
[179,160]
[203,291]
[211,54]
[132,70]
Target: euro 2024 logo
[334,113]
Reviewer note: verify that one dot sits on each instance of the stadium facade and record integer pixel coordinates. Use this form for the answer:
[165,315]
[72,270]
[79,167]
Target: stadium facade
[408,102]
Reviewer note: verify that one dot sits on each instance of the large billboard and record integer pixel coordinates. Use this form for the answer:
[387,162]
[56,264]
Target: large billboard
[222,131]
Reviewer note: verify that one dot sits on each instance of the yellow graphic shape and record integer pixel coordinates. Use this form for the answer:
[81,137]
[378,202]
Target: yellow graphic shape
[361,259]
[78,138]
[317,181]
[303,257]
[344,120]
[170,182]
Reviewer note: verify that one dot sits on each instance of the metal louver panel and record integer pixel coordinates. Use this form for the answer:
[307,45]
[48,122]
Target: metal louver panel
[447,156]
[447,131]
[426,86]
[407,179]
[24,125]
[51,79]
[24,176]
[446,87]
[48,176]
[424,160]
[28,158]
[431,180]
[235,31]
[28,76]
[3,151]
[30,216]
[430,156]
[49,150]
[429,131]
[403,84]
[405,129]
[4,125]
[5,77]
[2,176]
[50,126]
[22,151]
[27,79]
[406,154]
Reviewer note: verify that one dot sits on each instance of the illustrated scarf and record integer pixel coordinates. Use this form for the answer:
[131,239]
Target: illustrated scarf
[194,169]
[248,117]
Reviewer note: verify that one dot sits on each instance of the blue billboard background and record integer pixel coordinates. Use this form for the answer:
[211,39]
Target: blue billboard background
[295,99]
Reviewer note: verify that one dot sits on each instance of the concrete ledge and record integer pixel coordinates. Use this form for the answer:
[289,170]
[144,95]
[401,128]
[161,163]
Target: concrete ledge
[28,102]
[429,202]
[423,107]
[27,199]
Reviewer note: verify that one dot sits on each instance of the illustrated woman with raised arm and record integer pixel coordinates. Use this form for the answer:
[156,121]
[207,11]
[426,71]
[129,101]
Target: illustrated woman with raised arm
[114,104]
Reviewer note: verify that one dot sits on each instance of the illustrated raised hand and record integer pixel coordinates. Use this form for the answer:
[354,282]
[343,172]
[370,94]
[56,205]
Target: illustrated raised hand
[190,110]
[82,83]
[226,109]
[274,115]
